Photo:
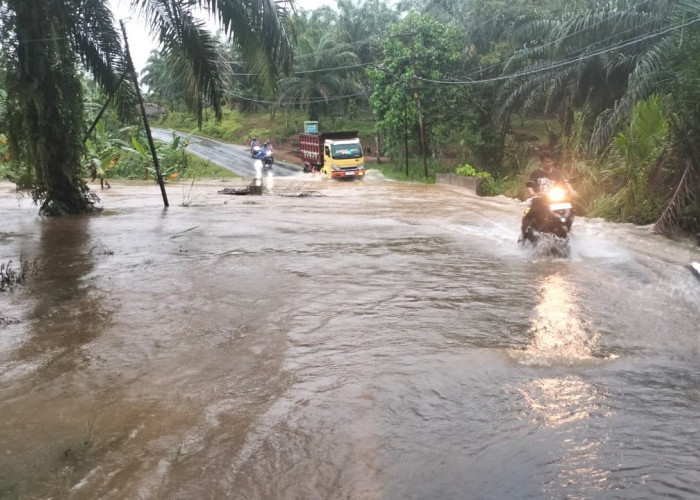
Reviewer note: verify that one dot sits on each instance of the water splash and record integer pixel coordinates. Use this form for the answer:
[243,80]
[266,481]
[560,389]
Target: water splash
[258,166]
[269,183]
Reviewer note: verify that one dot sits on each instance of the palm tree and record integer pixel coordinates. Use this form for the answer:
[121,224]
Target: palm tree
[44,43]
[158,76]
[326,74]
[600,56]
[362,26]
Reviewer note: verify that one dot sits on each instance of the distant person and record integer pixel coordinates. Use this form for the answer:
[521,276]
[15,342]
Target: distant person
[98,173]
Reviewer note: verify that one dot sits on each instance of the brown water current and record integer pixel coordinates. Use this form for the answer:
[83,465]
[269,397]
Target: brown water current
[369,340]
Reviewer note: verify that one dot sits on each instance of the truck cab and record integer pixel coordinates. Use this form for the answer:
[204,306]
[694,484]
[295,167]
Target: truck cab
[343,158]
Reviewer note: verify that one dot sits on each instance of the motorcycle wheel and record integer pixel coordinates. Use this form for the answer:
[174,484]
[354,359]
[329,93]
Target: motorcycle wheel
[527,234]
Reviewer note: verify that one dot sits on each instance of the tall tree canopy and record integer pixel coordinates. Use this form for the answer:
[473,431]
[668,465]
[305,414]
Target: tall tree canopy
[418,52]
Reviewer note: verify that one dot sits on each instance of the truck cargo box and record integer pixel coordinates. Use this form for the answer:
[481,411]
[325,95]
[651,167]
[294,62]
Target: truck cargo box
[311,145]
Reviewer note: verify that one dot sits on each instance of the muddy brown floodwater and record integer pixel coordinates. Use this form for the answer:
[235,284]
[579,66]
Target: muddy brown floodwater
[369,340]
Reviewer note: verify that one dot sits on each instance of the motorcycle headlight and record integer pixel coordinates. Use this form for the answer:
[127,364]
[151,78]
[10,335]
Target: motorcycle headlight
[556,194]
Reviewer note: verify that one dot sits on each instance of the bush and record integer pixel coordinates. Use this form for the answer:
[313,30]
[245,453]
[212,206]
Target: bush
[488,185]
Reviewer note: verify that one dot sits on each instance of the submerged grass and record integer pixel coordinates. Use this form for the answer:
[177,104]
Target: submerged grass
[9,276]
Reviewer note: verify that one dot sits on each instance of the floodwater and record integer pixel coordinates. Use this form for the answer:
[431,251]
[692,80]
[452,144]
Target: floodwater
[370,340]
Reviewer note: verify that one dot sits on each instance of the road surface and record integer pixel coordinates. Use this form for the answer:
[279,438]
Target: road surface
[230,156]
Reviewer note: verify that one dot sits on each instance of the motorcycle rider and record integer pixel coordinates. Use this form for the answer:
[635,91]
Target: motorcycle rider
[262,154]
[254,143]
[546,176]
[541,180]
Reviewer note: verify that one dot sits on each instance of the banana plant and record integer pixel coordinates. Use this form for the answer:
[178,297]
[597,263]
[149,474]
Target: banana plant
[171,155]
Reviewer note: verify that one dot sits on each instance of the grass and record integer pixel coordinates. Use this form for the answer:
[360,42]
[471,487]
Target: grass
[199,168]
[187,195]
[416,171]
[100,248]
[89,435]
[9,276]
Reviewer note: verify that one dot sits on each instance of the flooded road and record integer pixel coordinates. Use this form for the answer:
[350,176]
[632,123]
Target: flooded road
[371,340]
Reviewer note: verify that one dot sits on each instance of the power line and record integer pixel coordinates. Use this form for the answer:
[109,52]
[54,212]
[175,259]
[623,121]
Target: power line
[319,100]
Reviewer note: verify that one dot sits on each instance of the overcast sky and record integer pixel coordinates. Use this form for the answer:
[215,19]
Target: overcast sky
[140,44]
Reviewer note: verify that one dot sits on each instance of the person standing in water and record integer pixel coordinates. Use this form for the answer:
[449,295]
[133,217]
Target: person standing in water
[98,172]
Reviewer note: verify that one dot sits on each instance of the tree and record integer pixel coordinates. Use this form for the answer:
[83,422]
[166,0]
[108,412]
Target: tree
[45,43]
[362,25]
[597,54]
[162,83]
[419,55]
[326,72]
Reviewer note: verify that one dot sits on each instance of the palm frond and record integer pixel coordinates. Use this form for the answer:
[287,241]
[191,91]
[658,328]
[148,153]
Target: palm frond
[197,57]
[261,29]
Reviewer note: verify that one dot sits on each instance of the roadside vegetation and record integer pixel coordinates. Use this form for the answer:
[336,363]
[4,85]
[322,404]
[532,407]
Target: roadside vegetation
[431,85]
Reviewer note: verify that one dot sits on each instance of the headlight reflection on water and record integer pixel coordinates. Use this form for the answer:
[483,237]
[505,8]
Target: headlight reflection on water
[566,410]
[560,337]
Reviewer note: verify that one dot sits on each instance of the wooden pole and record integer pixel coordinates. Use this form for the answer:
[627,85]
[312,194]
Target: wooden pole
[405,131]
[416,96]
[154,155]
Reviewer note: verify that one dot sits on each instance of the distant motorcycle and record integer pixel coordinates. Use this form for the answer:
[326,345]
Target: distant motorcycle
[254,150]
[267,157]
[548,213]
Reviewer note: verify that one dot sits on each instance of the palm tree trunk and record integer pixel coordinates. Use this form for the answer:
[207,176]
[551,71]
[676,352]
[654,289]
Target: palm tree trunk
[48,108]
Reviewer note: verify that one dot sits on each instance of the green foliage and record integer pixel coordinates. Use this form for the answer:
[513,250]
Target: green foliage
[466,170]
[46,45]
[632,158]
[325,67]
[418,47]
[106,142]
[397,171]
[197,168]
[135,161]
[229,128]
[488,184]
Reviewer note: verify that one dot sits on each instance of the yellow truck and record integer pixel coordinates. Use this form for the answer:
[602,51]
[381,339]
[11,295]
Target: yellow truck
[336,154]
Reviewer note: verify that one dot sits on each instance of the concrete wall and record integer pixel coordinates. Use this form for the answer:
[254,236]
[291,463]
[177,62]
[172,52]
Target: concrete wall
[471,183]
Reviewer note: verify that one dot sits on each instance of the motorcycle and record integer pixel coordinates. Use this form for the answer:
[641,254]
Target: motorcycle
[548,213]
[267,157]
[254,150]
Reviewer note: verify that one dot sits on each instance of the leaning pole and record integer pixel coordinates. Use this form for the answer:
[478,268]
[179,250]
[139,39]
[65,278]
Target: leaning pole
[134,77]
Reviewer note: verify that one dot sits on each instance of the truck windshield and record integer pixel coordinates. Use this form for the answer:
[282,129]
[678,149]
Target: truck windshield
[344,151]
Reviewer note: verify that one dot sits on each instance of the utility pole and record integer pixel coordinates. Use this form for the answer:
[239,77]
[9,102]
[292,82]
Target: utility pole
[154,155]
[416,96]
[405,131]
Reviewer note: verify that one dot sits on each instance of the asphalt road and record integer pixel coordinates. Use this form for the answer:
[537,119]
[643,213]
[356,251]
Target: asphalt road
[230,156]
